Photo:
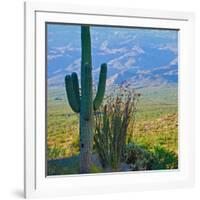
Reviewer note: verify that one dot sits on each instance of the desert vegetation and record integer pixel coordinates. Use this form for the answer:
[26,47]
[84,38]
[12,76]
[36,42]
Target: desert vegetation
[118,129]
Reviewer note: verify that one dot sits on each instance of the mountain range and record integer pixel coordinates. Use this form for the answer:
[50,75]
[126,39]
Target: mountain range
[143,57]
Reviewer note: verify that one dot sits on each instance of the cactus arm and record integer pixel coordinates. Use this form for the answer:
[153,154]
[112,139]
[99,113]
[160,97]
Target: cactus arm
[76,87]
[101,87]
[86,91]
[71,94]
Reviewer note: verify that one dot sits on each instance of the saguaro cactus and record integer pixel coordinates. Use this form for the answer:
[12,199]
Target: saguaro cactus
[83,102]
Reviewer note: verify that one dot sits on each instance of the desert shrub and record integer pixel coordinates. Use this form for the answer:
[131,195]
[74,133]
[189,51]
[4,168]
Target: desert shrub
[111,124]
[138,158]
[164,159]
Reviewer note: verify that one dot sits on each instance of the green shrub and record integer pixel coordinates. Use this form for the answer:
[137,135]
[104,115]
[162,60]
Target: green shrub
[165,159]
[138,157]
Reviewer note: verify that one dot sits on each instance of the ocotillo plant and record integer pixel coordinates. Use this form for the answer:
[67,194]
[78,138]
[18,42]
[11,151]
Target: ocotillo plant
[83,102]
[112,123]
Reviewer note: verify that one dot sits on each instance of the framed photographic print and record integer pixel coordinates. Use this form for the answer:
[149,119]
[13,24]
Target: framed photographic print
[109,100]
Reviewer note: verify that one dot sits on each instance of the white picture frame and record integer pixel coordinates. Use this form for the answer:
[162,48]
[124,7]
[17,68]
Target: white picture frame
[36,184]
